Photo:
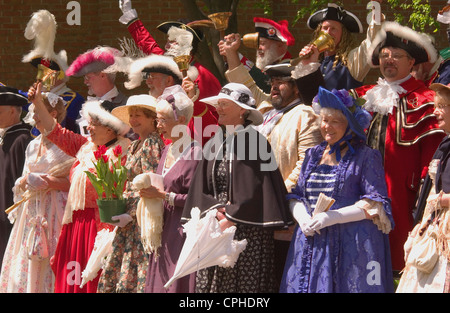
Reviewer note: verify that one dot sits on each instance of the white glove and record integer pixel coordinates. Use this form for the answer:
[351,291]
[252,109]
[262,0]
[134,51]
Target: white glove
[129,13]
[36,182]
[302,217]
[343,215]
[122,219]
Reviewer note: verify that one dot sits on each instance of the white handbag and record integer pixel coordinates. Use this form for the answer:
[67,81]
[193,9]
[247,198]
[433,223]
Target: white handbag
[37,242]
[424,254]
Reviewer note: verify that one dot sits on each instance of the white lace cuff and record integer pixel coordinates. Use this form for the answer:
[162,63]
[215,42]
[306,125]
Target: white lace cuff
[304,70]
[376,213]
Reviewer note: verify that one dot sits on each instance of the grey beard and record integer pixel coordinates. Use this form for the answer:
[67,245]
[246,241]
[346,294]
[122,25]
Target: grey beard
[277,104]
[268,59]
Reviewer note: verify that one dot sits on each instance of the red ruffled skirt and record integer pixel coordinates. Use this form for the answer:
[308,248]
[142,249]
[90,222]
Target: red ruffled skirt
[74,247]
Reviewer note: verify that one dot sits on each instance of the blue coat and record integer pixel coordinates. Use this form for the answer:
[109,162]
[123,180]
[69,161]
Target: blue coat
[337,77]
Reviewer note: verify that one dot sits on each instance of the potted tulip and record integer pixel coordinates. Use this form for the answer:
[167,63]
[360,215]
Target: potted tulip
[109,181]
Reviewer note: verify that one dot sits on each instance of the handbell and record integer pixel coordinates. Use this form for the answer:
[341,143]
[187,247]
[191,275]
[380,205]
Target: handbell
[48,76]
[183,63]
[220,20]
[251,40]
[323,43]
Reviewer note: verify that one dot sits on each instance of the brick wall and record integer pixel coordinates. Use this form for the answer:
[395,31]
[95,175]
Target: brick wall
[100,26]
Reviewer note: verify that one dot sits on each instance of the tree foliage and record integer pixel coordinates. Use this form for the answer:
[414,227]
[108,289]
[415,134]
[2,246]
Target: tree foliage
[420,15]
[420,18]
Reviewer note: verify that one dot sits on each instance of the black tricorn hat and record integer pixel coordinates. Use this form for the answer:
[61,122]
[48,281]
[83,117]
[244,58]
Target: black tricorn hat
[336,13]
[282,69]
[11,96]
[418,45]
[164,27]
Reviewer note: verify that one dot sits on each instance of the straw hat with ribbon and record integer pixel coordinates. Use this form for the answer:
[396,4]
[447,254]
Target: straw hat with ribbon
[143,101]
[240,95]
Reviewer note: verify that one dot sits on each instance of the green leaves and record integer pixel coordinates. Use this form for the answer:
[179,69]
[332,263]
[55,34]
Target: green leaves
[421,18]
[110,175]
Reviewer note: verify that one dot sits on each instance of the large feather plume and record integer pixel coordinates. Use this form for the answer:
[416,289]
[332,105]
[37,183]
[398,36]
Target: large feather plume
[42,28]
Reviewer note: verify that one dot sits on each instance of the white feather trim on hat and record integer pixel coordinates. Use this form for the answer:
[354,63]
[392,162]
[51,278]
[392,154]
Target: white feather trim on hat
[403,32]
[93,110]
[42,29]
[154,61]
[192,73]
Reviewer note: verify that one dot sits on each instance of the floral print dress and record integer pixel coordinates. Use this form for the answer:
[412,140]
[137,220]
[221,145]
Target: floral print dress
[126,267]
[39,218]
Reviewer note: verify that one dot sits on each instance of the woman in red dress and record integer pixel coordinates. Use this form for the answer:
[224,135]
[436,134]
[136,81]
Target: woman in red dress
[81,220]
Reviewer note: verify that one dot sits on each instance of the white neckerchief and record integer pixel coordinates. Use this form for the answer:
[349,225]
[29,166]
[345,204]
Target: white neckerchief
[107,96]
[272,117]
[60,89]
[384,96]
[3,132]
[82,123]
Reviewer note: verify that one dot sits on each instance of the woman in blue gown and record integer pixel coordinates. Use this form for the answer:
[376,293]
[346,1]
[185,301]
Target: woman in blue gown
[344,248]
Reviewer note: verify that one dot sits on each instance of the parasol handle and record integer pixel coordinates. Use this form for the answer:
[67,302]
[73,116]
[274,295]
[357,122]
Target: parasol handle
[15,205]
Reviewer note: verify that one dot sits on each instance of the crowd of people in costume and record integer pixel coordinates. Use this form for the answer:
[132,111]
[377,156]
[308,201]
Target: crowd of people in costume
[334,185]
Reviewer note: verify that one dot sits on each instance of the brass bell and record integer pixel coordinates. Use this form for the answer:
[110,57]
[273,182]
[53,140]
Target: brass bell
[48,76]
[323,43]
[220,20]
[251,40]
[183,63]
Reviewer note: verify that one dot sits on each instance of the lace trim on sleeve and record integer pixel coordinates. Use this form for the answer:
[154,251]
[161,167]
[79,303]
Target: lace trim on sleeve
[376,213]
[304,70]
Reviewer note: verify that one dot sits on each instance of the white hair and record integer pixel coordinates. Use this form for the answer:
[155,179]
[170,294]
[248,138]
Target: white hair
[183,104]
[332,112]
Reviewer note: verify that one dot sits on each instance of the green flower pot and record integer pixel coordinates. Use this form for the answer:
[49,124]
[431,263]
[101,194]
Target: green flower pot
[108,208]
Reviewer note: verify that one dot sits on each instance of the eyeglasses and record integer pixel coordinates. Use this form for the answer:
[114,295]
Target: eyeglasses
[95,123]
[160,120]
[147,75]
[395,57]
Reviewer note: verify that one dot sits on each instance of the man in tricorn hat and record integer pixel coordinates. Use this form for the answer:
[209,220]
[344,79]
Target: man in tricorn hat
[14,138]
[206,83]
[404,128]
[345,66]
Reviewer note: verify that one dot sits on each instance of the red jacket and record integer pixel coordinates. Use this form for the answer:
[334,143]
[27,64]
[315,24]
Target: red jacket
[411,137]
[207,83]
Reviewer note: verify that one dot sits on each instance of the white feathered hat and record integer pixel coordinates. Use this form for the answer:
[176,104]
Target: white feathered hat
[392,34]
[157,64]
[42,29]
[101,111]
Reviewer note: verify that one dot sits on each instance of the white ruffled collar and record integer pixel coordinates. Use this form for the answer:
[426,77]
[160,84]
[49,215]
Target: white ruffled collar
[384,96]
